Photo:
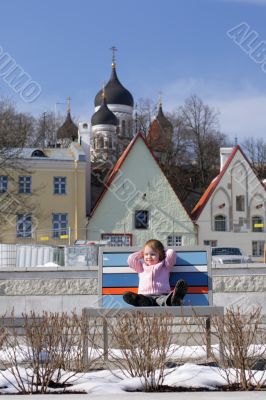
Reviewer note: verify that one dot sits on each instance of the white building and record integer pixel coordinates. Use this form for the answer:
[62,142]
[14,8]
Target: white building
[232,210]
[138,203]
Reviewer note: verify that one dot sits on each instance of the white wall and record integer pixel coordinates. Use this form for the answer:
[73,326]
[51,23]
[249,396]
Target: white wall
[239,179]
[141,185]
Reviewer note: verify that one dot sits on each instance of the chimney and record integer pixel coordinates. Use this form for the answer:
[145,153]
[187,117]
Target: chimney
[224,154]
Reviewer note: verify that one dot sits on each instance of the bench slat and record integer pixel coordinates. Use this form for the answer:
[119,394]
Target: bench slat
[111,301]
[177,268]
[183,258]
[119,290]
[127,280]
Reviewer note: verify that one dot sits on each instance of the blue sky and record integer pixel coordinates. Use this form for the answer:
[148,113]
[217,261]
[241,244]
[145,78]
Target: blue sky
[179,47]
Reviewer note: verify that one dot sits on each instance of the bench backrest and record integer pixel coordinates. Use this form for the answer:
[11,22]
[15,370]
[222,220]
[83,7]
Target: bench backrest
[115,277]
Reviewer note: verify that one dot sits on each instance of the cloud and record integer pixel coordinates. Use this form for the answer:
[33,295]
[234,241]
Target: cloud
[242,111]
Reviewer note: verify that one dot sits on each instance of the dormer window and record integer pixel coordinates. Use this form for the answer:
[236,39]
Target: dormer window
[38,153]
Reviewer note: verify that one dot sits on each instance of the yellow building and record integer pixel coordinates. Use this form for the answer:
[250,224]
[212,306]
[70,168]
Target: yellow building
[43,199]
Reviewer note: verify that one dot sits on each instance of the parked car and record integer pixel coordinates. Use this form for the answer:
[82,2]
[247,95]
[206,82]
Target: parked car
[229,255]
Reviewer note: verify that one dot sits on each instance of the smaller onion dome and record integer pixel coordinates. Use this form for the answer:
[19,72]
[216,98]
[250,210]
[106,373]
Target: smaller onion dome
[104,116]
[115,92]
[68,130]
[161,118]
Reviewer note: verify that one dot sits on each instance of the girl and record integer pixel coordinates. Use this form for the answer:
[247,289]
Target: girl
[153,265]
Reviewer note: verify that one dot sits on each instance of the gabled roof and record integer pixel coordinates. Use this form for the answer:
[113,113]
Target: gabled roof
[121,161]
[197,210]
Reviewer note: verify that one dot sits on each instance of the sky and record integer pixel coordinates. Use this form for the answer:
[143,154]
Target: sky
[177,47]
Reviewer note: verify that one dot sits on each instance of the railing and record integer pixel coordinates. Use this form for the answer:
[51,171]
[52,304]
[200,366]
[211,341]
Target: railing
[34,255]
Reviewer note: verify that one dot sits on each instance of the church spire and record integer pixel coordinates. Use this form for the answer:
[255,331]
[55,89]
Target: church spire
[114,49]
[68,105]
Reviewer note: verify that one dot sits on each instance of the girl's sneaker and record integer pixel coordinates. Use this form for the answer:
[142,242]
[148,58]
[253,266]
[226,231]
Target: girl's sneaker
[179,293]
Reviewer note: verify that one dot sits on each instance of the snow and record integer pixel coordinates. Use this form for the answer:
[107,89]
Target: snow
[188,375]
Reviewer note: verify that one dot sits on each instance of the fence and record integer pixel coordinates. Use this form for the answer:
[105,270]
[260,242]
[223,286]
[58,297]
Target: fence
[33,255]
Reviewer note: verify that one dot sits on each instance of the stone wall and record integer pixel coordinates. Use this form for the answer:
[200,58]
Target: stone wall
[60,289]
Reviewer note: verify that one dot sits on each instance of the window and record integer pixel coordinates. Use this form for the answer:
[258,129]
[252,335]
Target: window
[25,184]
[38,153]
[85,126]
[257,224]
[174,240]
[220,223]
[123,127]
[258,248]
[117,239]
[240,203]
[60,225]
[212,243]
[99,142]
[24,225]
[59,185]
[141,219]
[3,183]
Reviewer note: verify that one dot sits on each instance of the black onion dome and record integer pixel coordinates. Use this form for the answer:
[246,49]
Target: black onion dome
[115,92]
[104,116]
[68,130]
[161,118]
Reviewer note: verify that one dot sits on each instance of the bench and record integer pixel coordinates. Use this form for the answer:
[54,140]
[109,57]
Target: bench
[115,277]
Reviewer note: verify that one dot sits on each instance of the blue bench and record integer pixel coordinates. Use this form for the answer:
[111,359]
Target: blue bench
[115,277]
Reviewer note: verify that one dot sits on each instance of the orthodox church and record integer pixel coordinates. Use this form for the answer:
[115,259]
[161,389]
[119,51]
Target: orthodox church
[111,129]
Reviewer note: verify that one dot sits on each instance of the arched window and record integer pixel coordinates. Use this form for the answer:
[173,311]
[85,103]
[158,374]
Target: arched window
[129,125]
[123,127]
[99,142]
[85,126]
[257,224]
[105,143]
[38,153]
[220,223]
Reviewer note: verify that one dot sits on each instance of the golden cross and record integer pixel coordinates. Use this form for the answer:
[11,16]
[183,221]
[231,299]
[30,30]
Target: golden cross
[114,49]
[68,101]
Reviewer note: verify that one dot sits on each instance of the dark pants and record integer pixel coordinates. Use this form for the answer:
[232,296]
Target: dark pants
[159,299]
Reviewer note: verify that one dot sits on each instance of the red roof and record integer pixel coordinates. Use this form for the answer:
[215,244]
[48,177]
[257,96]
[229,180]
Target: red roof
[118,165]
[195,213]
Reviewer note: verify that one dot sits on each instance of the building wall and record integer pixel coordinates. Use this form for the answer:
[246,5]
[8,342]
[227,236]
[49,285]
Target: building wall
[141,185]
[43,202]
[239,179]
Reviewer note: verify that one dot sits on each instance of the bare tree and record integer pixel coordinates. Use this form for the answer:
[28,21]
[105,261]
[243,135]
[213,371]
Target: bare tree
[256,151]
[145,110]
[202,129]
[15,129]
[46,127]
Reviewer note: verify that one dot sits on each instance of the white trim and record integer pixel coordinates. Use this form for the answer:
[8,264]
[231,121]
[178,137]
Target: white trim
[117,108]
[127,270]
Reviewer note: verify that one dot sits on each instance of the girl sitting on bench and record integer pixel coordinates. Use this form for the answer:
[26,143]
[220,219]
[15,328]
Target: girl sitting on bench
[153,265]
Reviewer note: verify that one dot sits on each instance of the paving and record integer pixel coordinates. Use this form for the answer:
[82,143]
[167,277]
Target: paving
[254,395]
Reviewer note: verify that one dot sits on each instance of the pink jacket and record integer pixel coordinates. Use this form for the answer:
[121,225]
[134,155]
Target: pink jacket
[153,279]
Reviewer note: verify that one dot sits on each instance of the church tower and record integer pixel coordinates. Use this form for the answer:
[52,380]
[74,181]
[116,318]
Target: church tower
[120,102]
[104,126]
[160,136]
[68,132]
